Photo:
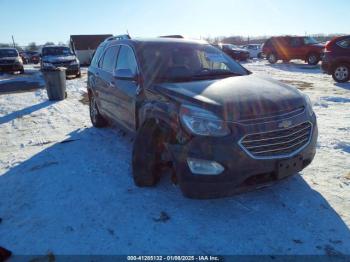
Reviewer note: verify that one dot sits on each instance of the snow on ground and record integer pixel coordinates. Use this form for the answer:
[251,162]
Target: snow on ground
[66,187]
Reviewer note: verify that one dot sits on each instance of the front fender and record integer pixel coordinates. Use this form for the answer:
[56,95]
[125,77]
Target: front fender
[159,111]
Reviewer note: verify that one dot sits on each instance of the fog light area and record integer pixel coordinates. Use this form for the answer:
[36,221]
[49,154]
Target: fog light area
[204,167]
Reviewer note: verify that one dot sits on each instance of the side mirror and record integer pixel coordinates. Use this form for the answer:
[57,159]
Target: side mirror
[125,74]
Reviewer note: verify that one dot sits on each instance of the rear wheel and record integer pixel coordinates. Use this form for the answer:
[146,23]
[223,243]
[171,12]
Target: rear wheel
[150,155]
[272,58]
[97,119]
[21,71]
[260,55]
[313,59]
[341,73]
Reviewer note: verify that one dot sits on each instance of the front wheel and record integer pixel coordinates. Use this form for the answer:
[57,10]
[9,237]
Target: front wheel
[150,154]
[341,73]
[272,58]
[21,71]
[97,119]
[313,59]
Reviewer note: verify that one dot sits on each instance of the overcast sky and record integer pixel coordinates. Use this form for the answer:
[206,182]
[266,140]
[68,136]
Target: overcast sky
[41,21]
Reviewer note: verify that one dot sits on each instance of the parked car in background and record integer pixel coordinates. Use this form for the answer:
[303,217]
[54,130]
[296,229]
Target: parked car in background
[217,127]
[336,59]
[287,48]
[60,56]
[10,60]
[254,50]
[34,57]
[234,51]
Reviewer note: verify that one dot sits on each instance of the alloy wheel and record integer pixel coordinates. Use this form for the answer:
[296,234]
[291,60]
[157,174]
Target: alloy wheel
[341,73]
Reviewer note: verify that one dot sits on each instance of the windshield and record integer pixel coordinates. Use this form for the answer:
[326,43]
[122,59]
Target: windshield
[8,53]
[310,41]
[186,62]
[56,51]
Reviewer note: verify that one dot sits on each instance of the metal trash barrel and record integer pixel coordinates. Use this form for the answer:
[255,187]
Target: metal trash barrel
[55,82]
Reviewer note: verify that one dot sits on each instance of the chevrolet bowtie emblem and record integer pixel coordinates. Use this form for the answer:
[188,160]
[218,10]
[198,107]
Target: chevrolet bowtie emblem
[285,124]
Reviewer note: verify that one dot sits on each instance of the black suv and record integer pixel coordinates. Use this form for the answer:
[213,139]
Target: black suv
[336,60]
[10,60]
[60,56]
[195,111]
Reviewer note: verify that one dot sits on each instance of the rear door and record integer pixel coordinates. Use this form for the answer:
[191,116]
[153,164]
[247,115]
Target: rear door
[296,48]
[105,82]
[125,92]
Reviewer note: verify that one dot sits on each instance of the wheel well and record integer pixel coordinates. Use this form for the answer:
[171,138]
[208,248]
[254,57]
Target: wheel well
[339,63]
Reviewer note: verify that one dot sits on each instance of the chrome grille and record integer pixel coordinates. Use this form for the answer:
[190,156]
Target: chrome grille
[279,143]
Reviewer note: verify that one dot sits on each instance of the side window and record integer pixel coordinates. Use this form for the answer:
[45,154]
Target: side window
[295,42]
[96,56]
[126,59]
[109,58]
[344,43]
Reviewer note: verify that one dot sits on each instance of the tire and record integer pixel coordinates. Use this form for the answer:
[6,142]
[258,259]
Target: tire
[97,119]
[313,59]
[147,155]
[21,71]
[341,73]
[260,56]
[272,58]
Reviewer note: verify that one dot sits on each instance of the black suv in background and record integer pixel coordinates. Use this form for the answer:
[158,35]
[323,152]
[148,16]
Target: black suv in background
[10,60]
[336,60]
[234,52]
[60,56]
[195,111]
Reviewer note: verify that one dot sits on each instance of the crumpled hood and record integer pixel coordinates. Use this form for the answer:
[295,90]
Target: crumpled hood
[237,98]
[57,59]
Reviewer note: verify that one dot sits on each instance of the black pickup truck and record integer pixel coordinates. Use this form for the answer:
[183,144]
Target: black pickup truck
[217,127]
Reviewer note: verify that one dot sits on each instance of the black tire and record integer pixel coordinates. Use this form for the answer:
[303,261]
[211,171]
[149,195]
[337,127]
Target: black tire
[147,155]
[313,59]
[21,71]
[97,119]
[260,56]
[79,74]
[272,58]
[341,73]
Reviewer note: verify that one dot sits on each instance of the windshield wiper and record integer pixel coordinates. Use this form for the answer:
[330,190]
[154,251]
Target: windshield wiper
[216,75]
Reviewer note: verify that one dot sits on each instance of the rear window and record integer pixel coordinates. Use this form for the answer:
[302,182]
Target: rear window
[344,43]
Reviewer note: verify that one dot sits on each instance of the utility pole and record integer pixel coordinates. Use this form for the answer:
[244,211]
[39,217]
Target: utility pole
[13,41]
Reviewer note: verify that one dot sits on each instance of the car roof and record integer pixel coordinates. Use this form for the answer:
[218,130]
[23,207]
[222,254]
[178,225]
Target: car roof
[55,46]
[140,41]
[7,48]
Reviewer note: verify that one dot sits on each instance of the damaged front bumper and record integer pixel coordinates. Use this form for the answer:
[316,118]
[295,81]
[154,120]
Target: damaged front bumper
[241,172]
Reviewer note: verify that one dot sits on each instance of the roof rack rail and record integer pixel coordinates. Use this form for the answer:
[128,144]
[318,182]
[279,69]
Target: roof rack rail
[117,37]
[171,36]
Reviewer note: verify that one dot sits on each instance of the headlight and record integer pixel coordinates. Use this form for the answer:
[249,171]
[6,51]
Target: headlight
[19,60]
[202,122]
[308,102]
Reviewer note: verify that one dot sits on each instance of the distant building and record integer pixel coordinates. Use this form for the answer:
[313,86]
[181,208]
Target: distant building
[84,46]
